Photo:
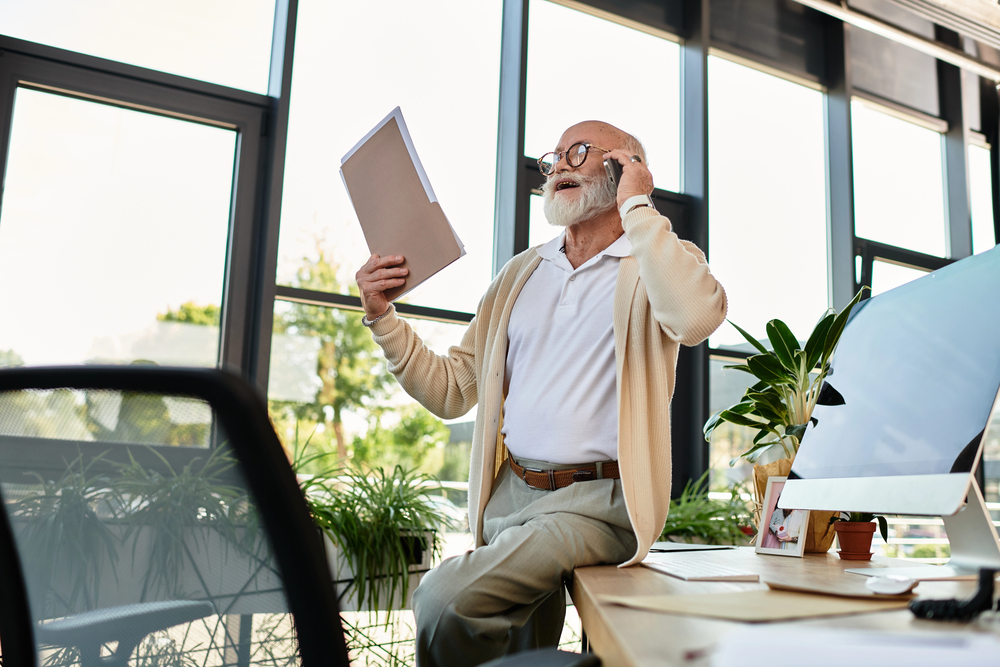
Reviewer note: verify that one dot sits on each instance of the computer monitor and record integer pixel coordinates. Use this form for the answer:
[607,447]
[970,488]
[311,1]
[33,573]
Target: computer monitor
[900,427]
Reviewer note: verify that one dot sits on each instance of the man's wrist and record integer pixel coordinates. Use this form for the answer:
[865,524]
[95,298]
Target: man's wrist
[635,202]
[368,323]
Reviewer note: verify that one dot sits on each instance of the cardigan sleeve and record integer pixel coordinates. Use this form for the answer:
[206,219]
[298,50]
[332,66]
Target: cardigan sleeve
[687,301]
[444,384]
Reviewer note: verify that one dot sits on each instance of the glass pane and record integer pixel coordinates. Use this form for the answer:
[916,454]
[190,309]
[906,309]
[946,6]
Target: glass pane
[898,181]
[99,415]
[113,235]
[767,201]
[329,390]
[981,197]
[539,229]
[576,72]
[726,387]
[887,276]
[224,41]
[118,545]
[447,86]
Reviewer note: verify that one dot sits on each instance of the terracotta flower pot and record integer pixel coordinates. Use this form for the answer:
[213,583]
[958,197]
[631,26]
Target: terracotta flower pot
[855,539]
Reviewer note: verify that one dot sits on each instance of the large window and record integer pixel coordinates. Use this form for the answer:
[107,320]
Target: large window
[581,67]
[439,62]
[887,276]
[224,41]
[767,200]
[329,389]
[328,385]
[981,196]
[898,181]
[112,238]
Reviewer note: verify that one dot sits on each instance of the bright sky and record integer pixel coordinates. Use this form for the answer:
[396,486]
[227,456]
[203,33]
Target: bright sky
[94,239]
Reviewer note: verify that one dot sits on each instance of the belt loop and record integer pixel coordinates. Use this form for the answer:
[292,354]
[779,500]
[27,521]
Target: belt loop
[552,479]
[600,470]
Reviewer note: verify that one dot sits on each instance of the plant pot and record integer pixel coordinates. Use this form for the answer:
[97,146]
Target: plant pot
[343,575]
[855,539]
[819,534]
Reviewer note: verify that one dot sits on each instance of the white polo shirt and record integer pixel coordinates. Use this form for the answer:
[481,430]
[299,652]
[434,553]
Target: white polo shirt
[561,396]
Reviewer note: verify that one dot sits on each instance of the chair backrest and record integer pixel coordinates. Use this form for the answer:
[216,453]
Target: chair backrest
[154,508]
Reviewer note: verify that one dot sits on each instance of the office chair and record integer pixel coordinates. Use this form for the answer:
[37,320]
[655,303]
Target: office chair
[153,511]
[95,549]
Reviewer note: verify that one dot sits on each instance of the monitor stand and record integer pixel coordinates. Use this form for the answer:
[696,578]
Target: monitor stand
[974,545]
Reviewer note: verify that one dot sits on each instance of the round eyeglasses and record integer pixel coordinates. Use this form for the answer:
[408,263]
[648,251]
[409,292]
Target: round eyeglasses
[575,155]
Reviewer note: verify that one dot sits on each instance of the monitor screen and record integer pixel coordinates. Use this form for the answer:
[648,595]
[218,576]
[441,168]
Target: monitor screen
[917,372]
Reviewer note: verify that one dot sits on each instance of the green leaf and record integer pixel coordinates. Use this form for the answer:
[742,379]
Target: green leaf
[744,407]
[753,341]
[769,413]
[739,367]
[838,325]
[710,425]
[817,340]
[755,452]
[764,432]
[769,369]
[738,419]
[770,396]
[883,527]
[796,431]
[784,343]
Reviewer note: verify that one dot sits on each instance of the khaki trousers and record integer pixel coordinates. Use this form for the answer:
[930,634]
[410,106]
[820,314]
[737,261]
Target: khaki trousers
[507,596]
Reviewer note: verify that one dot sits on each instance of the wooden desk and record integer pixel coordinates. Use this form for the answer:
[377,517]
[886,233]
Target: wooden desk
[621,636]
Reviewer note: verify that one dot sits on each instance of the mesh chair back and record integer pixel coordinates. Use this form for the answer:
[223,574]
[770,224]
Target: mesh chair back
[151,518]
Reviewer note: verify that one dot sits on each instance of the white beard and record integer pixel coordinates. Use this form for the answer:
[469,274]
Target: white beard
[597,195]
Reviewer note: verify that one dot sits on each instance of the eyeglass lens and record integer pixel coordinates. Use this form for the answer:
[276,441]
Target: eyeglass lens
[575,156]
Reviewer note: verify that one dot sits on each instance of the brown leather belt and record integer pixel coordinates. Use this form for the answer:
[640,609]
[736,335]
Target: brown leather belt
[550,480]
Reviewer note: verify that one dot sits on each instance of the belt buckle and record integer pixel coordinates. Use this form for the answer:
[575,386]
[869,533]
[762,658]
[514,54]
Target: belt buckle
[550,473]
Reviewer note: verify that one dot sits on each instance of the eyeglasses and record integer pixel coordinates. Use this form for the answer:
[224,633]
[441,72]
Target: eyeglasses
[576,155]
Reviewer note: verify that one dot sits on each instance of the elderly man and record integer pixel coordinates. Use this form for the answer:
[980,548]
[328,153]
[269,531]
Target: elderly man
[571,358]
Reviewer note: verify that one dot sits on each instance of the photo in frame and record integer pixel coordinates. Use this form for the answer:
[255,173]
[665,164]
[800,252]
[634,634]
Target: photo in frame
[781,532]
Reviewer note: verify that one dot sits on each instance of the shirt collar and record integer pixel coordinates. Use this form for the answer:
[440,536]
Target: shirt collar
[551,250]
[622,247]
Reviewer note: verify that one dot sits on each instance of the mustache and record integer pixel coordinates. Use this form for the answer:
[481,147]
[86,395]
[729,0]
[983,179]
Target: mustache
[581,180]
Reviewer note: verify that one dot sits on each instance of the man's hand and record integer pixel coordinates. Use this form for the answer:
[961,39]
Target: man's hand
[636,179]
[374,278]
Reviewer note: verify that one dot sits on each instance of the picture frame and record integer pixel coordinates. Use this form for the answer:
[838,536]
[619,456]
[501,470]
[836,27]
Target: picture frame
[787,537]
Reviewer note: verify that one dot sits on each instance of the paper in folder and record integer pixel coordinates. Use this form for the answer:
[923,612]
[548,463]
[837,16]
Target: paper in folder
[395,203]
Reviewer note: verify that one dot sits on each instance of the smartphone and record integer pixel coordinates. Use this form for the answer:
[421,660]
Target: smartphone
[614,171]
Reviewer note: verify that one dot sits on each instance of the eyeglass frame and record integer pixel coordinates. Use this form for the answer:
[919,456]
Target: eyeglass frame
[560,156]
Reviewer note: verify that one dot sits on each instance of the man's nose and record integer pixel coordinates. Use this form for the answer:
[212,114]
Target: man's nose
[563,164]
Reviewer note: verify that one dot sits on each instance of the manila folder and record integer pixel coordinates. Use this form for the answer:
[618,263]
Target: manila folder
[396,214]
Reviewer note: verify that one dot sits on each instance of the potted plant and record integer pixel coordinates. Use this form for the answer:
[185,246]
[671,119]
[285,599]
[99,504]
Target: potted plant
[779,406]
[855,531]
[696,518]
[379,528]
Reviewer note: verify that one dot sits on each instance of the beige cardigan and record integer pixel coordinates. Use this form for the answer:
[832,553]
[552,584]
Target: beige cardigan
[665,295]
